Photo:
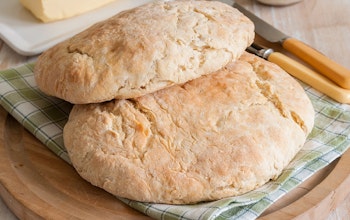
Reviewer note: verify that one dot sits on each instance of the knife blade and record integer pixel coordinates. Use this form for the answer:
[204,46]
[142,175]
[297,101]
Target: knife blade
[324,65]
[303,73]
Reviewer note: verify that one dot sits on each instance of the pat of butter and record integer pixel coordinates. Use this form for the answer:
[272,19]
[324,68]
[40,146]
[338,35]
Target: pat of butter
[52,10]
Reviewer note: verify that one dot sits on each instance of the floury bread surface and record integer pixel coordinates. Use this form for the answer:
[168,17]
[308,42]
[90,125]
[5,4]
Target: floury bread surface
[145,49]
[217,136]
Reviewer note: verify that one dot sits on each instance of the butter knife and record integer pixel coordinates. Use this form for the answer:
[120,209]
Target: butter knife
[324,65]
[303,73]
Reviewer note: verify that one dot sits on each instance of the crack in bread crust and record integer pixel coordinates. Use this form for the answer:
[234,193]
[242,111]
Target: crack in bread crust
[272,97]
[269,92]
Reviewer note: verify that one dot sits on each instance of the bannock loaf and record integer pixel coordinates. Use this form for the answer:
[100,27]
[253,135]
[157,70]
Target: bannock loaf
[144,49]
[219,135]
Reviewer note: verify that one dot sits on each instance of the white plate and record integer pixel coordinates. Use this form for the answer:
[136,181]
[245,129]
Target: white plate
[28,36]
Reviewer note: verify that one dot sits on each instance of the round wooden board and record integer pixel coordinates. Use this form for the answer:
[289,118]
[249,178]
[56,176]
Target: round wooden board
[36,184]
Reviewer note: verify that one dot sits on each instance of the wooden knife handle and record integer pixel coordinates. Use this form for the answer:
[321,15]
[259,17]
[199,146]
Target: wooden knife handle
[327,67]
[310,77]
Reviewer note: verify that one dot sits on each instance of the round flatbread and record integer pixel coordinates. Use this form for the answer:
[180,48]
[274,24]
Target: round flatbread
[217,136]
[144,49]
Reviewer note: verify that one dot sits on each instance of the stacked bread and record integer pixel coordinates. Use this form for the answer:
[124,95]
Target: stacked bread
[170,109]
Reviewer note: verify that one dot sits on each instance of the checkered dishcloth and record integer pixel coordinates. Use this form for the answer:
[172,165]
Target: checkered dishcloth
[46,116]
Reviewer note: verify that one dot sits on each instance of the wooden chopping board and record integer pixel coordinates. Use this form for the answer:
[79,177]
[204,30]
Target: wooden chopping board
[36,184]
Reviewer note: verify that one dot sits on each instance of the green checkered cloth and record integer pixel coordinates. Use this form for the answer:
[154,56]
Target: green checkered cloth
[46,116]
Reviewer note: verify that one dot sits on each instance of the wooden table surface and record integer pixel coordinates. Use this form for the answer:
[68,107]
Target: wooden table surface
[323,24]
